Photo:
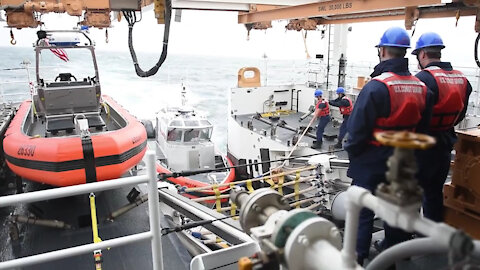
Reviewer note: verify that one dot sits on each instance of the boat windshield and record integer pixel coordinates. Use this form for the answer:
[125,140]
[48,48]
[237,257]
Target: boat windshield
[174,135]
[198,135]
[78,62]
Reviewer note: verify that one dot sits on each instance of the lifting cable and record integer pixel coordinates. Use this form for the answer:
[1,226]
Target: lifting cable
[476,50]
[165,176]
[131,18]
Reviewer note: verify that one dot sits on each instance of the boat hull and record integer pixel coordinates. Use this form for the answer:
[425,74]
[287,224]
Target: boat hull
[63,161]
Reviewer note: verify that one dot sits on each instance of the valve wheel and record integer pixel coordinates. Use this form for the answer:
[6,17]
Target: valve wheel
[405,139]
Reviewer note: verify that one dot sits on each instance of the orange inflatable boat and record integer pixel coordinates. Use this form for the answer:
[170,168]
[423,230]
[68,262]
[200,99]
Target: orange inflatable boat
[58,156]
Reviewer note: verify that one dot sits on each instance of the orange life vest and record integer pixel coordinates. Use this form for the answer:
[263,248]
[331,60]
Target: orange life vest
[452,89]
[346,110]
[407,102]
[324,111]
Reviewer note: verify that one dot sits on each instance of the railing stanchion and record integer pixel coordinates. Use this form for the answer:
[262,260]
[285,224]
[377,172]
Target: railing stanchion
[154,208]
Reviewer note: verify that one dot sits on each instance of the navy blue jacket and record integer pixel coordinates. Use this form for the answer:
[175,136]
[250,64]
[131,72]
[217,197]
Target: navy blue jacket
[340,102]
[374,102]
[445,139]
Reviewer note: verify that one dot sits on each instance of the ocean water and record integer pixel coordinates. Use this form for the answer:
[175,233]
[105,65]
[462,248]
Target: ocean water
[207,79]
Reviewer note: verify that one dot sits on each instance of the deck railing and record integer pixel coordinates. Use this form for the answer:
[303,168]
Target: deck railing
[153,207]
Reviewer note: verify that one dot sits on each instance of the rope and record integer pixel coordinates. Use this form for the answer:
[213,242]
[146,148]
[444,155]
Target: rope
[294,147]
[218,202]
[224,196]
[165,176]
[297,188]
[305,43]
[300,192]
[250,180]
[299,139]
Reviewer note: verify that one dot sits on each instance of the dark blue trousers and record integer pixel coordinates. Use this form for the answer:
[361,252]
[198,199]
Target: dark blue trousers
[343,128]
[322,123]
[373,173]
[433,166]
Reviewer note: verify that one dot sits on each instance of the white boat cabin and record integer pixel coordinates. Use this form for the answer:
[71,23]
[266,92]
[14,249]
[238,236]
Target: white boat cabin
[183,137]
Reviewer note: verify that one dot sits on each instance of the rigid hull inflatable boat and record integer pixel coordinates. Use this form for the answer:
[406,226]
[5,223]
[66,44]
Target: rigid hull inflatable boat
[70,134]
[183,143]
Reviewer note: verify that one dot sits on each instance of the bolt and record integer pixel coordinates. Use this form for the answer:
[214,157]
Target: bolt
[256,208]
[303,240]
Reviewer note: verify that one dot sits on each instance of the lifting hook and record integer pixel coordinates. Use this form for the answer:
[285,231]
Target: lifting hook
[12,38]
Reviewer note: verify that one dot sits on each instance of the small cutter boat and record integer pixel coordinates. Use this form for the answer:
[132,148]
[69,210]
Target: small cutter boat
[183,142]
[68,133]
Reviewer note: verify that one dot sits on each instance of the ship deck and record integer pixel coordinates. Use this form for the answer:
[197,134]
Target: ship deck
[76,212]
[285,135]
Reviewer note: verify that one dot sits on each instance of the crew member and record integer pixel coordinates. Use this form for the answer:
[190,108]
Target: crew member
[392,100]
[451,91]
[322,112]
[345,104]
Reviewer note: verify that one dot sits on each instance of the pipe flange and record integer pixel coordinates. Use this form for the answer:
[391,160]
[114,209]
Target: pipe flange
[305,235]
[252,215]
[287,223]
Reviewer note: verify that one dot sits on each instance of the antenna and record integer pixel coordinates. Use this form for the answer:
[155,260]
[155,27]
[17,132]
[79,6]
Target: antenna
[184,95]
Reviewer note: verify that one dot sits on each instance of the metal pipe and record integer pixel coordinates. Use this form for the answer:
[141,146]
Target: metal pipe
[406,218]
[240,197]
[423,246]
[41,222]
[269,210]
[62,192]
[74,251]
[154,209]
[315,256]
[124,209]
[186,207]
[406,249]
[351,231]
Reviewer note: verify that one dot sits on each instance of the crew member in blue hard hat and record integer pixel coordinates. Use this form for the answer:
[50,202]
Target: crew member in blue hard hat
[451,91]
[344,103]
[392,100]
[322,112]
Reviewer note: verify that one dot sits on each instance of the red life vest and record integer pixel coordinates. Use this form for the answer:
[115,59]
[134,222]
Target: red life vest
[324,111]
[452,89]
[407,102]
[346,110]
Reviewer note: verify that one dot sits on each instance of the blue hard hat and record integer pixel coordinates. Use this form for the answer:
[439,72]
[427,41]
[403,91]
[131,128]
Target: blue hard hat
[395,37]
[429,39]
[318,93]
[340,90]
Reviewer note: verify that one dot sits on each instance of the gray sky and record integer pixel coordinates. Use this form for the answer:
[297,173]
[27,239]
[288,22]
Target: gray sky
[219,34]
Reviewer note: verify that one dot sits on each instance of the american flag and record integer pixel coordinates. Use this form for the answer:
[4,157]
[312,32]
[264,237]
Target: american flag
[60,53]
